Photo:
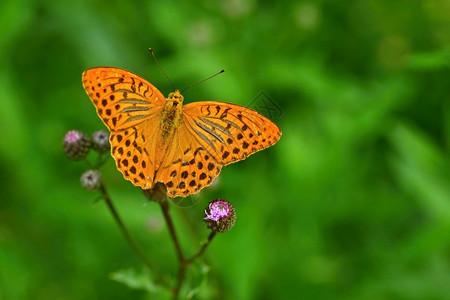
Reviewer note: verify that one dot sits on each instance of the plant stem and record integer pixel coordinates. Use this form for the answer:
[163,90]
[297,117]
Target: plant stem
[91,166]
[165,209]
[125,231]
[158,194]
[203,248]
[183,262]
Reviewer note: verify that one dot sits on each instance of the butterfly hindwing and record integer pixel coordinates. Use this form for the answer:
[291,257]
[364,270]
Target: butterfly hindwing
[134,152]
[187,167]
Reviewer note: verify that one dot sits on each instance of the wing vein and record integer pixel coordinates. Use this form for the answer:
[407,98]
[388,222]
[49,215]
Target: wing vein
[134,101]
[213,155]
[136,117]
[216,125]
[205,138]
[210,131]
[135,108]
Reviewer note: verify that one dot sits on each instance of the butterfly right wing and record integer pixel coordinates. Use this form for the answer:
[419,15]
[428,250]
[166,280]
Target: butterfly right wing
[229,132]
[130,107]
[212,134]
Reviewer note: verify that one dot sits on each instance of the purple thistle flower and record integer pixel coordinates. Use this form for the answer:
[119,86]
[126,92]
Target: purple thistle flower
[73,136]
[76,144]
[220,215]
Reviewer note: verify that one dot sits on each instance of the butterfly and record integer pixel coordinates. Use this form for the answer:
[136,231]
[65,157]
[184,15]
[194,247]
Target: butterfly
[154,139]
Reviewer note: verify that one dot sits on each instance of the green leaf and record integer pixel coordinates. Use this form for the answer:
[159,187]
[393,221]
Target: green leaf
[140,280]
[196,283]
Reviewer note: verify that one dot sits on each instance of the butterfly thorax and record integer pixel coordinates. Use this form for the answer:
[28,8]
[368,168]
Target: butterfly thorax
[171,114]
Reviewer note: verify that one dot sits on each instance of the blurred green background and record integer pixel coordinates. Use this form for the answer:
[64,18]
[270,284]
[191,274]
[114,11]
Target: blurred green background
[352,203]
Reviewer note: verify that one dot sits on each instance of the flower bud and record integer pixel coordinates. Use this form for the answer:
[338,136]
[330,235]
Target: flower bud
[100,141]
[220,215]
[91,180]
[76,144]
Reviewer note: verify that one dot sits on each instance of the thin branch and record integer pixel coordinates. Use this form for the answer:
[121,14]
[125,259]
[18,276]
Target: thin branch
[91,166]
[165,209]
[101,159]
[203,248]
[181,261]
[125,231]
[159,194]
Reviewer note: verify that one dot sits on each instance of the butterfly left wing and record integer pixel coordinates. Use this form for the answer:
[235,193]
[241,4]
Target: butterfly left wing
[122,98]
[130,107]
[211,135]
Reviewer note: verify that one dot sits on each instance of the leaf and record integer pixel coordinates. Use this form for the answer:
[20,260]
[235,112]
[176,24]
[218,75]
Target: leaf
[140,280]
[197,282]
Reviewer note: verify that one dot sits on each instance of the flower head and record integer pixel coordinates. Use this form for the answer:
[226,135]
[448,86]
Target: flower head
[220,215]
[100,141]
[76,144]
[91,180]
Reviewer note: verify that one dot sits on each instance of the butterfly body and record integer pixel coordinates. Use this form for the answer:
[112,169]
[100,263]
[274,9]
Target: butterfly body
[171,116]
[172,113]
[154,139]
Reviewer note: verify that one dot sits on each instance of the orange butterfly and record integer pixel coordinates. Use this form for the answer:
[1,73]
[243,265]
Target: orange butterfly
[154,139]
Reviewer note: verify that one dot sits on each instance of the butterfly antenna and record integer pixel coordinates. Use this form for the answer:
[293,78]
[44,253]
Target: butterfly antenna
[171,83]
[221,71]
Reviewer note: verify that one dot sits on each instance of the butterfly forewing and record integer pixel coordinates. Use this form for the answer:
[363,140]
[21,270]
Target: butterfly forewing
[122,99]
[229,132]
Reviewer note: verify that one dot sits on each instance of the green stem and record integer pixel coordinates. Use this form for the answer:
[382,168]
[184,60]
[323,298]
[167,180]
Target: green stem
[91,166]
[182,262]
[165,209]
[125,231]
[101,159]
[158,194]
[203,248]
[98,161]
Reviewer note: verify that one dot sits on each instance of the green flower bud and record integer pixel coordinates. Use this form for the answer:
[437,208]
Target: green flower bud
[91,180]
[100,141]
